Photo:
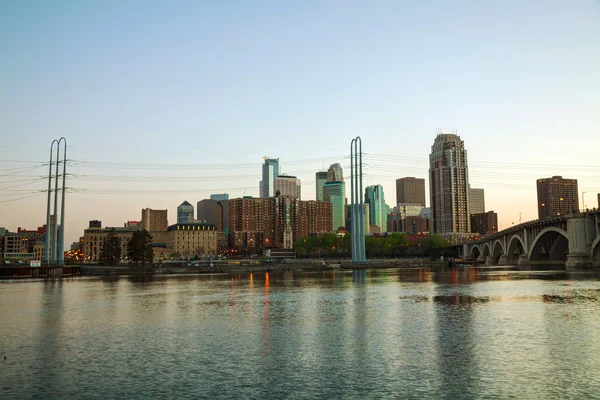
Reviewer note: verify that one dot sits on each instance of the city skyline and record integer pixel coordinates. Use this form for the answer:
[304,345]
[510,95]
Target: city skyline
[233,92]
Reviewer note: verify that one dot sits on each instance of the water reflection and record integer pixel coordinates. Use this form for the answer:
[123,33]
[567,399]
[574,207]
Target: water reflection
[420,333]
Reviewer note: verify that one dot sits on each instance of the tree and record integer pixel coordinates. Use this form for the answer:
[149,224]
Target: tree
[111,250]
[139,247]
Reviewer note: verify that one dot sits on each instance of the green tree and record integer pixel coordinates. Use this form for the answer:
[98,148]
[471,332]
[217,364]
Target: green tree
[111,250]
[139,247]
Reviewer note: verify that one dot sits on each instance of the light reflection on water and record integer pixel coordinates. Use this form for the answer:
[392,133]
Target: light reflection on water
[336,334]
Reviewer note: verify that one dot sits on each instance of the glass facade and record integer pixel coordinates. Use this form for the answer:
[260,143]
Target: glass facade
[374,197]
[270,171]
[220,196]
[320,178]
[336,195]
[185,213]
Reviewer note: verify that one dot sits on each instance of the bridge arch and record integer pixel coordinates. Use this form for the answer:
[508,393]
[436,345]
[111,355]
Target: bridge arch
[486,250]
[516,247]
[497,250]
[551,244]
[475,251]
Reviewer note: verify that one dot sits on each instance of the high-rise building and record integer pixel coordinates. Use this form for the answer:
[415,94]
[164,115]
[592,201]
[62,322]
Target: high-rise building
[320,178]
[598,200]
[286,185]
[449,185]
[185,213]
[477,201]
[335,193]
[557,196]
[277,222]
[206,211]
[410,190]
[270,171]
[335,173]
[484,223]
[374,197]
[154,220]
[220,196]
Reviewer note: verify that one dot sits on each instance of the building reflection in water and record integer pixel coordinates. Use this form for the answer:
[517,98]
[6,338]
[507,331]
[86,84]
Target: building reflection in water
[455,335]
[359,275]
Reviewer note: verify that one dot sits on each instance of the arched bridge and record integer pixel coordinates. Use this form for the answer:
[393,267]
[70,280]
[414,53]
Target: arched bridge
[572,240]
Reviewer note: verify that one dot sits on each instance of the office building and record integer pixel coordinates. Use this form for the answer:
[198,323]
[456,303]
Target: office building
[320,179]
[484,223]
[289,186]
[557,196]
[449,185]
[476,201]
[335,193]
[408,210]
[220,196]
[410,190]
[154,220]
[185,213]
[193,240]
[270,171]
[335,173]
[374,197]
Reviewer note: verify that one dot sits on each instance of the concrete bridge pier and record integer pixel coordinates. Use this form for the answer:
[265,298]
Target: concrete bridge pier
[489,260]
[523,260]
[577,234]
[503,260]
[480,259]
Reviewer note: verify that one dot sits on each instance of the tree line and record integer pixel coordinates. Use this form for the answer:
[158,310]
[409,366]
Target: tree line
[139,248]
[387,245]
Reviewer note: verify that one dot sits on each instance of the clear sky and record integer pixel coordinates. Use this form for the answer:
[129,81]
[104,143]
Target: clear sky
[190,95]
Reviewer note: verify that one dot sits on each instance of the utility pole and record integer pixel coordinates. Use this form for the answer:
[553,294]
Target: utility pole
[583,200]
[520,213]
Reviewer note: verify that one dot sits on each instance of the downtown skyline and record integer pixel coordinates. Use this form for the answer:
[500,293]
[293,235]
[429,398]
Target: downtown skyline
[203,86]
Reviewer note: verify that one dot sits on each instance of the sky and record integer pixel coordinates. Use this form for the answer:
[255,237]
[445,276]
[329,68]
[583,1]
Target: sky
[162,102]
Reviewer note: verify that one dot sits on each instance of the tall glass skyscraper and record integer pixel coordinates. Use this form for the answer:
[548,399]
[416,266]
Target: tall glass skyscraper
[374,197]
[336,195]
[334,191]
[270,171]
[320,178]
[449,185]
[335,173]
[185,213]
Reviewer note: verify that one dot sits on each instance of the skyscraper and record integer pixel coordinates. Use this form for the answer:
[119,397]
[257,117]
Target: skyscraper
[335,173]
[320,178]
[557,196]
[449,185]
[410,190]
[270,171]
[185,213]
[286,185]
[374,197]
[477,200]
[335,192]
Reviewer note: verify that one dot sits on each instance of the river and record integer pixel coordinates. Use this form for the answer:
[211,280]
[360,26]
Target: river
[338,334]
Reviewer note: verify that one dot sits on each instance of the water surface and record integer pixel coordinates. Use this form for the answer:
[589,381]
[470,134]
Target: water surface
[374,334]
